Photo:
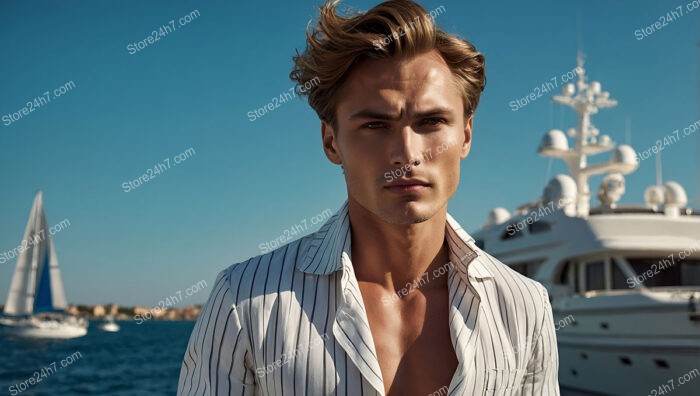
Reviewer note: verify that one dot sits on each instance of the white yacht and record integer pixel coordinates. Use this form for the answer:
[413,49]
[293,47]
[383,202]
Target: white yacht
[624,280]
[36,302]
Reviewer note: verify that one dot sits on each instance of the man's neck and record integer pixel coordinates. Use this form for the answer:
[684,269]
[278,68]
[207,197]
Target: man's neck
[392,255]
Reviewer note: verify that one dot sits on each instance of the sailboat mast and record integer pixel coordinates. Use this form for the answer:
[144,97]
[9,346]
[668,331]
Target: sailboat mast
[31,288]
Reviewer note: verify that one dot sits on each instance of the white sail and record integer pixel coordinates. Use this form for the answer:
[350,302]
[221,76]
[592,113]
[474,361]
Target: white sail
[57,292]
[36,283]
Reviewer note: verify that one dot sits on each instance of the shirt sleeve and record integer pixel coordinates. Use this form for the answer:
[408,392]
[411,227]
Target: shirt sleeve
[215,359]
[543,367]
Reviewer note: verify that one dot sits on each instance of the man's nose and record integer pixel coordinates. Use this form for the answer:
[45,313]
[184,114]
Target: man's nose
[406,148]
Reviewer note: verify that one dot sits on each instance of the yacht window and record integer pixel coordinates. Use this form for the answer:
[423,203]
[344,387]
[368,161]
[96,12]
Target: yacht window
[565,277]
[512,232]
[667,271]
[619,280]
[595,276]
[690,272]
[576,277]
[569,275]
[539,226]
[528,268]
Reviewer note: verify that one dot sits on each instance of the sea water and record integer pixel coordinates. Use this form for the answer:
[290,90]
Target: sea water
[140,359]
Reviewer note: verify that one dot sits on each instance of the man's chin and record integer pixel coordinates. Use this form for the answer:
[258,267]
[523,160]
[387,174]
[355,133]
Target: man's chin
[403,211]
[407,213]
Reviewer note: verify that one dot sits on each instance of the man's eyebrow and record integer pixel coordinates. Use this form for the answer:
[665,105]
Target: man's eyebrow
[367,113]
[444,111]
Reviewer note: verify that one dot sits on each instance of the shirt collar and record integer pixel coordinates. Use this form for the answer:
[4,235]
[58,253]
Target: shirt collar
[332,241]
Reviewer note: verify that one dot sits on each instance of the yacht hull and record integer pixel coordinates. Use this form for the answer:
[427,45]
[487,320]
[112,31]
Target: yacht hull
[628,370]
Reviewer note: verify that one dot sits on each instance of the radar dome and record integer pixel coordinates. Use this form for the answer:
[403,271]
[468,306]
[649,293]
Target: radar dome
[624,158]
[498,216]
[562,192]
[555,140]
[675,194]
[654,196]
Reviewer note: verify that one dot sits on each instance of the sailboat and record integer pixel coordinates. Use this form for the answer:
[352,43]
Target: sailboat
[623,280]
[36,302]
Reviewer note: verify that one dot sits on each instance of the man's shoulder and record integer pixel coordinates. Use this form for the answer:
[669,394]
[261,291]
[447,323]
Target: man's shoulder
[260,274]
[518,293]
[510,281]
[507,280]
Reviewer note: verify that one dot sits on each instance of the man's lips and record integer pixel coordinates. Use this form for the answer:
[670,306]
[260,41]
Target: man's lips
[407,185]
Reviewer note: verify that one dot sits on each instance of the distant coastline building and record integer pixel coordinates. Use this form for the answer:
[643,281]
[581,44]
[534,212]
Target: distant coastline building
[191,312]
[98,311]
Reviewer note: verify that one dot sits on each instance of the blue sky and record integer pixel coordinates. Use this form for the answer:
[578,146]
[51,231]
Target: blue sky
[245,182]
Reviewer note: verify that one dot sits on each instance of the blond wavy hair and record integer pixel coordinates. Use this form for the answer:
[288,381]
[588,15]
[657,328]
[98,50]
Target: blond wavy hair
[392,29]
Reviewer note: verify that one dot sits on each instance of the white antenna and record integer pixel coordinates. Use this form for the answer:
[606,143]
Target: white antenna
[547,173]
[659,177]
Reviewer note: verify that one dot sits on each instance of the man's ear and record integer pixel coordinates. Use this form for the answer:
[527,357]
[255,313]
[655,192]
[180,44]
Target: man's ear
[467,138]
[330,145]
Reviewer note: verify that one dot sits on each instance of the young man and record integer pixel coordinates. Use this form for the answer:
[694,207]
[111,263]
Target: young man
[391,296]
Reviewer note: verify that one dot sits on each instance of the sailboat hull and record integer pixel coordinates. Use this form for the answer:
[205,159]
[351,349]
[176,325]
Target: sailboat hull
[57,329]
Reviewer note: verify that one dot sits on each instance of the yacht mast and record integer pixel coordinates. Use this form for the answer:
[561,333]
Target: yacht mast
[586,98]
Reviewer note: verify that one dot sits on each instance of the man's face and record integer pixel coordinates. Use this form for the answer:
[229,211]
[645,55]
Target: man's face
[390,115]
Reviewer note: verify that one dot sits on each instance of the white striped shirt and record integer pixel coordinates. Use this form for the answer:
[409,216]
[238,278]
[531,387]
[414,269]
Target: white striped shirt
[293,322]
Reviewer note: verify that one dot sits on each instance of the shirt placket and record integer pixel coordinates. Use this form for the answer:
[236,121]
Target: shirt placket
[352,332]
[464,331]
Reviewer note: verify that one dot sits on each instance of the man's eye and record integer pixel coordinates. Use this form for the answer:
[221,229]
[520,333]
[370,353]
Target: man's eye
[374,125]
[433,121]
